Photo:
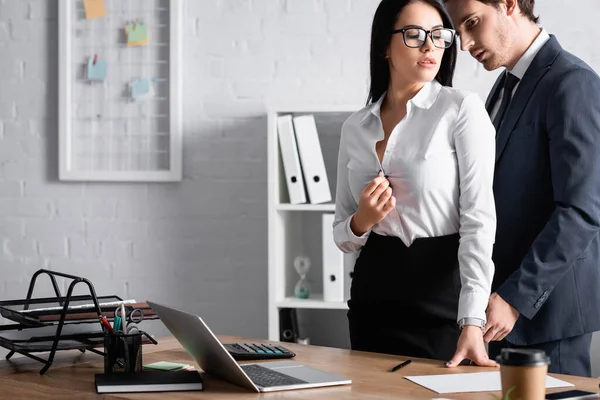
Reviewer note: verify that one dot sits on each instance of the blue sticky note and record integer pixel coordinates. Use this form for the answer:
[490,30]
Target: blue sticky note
[97,71]
[140,89]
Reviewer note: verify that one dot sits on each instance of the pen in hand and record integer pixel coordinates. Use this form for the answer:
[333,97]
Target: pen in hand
[403,364]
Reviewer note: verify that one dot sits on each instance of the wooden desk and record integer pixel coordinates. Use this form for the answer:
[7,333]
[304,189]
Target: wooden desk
[72,376]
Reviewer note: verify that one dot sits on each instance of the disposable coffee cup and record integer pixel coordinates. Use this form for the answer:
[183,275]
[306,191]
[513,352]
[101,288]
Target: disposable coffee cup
[523,373]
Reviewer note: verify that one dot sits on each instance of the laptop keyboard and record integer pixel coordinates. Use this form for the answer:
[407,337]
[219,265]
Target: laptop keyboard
[267,377]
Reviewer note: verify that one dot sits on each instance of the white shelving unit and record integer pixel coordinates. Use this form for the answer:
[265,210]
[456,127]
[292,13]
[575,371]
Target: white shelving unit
[295,229]
[305,207]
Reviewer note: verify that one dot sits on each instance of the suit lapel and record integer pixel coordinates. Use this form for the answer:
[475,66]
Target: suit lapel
[538,68]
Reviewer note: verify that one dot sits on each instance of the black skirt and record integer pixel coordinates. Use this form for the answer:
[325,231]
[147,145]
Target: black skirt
[404,300]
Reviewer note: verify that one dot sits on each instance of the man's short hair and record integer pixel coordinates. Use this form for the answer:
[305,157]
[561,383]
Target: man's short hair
[526,7]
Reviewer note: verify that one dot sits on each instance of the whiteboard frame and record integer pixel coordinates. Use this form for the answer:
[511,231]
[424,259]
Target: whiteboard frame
[65,128]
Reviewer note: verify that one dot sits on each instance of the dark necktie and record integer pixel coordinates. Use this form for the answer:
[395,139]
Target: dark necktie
[509,85]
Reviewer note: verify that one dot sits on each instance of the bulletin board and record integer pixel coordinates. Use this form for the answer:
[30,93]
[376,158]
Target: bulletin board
[120,90]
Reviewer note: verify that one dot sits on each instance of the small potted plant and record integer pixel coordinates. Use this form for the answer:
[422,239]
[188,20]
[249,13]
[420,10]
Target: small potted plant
[507,395]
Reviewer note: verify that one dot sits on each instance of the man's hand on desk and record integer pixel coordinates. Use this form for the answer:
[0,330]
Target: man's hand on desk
[470,346]
[501,318]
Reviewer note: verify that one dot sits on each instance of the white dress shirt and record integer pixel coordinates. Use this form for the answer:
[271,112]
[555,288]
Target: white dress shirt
[439,160]
[522,65]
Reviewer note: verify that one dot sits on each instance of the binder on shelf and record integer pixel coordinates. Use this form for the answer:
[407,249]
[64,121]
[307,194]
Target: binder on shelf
[349,262]
[291,162]
[333,263]
[311,157]
[288,325]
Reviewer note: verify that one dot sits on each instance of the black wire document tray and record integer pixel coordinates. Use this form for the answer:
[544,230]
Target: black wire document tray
[62,322]
[73,336]
[33,311]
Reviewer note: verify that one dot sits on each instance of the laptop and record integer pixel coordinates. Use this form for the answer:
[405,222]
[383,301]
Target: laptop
[199,341]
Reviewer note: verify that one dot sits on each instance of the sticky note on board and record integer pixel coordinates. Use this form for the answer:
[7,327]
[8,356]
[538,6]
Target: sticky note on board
[96,71]
[140,89]
[94,8]
[137,34]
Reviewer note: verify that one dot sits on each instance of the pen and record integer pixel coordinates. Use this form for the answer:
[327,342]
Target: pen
[404,364]
[104,322]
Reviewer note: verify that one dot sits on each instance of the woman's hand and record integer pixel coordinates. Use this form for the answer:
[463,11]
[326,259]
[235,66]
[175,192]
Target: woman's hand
[375,202]
[470,346]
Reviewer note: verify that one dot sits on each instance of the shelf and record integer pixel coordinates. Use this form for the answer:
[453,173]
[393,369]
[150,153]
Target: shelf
[315,108]
[306,207]
[298,229]
[316,302]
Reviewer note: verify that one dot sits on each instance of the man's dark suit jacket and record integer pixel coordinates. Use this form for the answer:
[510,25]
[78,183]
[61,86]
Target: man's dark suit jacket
[547,193]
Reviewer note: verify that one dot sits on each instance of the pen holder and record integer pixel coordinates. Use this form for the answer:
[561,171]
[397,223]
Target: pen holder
[123,352]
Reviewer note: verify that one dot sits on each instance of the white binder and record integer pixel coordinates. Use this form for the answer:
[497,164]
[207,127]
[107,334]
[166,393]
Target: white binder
[311,156]
[291,162]
[333,263]
[349,262]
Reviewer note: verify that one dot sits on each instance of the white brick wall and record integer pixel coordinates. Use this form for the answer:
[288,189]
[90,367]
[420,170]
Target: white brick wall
[199,244]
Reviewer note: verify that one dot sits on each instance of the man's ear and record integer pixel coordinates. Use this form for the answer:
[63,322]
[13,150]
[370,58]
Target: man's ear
[511,7]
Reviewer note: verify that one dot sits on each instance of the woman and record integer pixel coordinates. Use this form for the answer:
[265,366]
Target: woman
[414,194]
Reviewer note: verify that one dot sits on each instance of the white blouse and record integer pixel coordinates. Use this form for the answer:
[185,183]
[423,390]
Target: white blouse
[439,160]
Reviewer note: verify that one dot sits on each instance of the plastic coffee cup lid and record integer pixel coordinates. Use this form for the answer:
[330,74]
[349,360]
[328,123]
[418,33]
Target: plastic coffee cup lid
[523,358]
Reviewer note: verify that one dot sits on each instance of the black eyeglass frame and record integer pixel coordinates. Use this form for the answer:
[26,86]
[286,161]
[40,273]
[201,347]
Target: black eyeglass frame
[428,33]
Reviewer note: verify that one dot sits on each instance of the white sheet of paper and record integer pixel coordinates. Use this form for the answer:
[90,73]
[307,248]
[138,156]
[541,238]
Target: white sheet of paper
[475,382]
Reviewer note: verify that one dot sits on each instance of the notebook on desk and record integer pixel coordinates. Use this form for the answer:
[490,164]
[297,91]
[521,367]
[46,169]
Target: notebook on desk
[199,341]
[141,382]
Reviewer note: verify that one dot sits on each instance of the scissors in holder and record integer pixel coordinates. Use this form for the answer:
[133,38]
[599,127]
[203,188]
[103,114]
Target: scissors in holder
[129,320]
[132,328]
[135,316]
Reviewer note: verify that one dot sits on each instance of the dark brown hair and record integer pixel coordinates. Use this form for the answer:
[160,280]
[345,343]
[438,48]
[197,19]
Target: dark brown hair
[381,33]
[526,7]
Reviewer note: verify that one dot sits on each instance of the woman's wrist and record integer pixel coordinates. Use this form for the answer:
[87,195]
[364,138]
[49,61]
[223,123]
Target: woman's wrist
[470,330]
[357,226]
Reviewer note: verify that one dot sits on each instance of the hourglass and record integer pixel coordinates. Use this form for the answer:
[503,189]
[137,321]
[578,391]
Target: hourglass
[302,288]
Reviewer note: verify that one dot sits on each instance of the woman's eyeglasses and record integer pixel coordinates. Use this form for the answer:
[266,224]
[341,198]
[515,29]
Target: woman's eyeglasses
[442,38]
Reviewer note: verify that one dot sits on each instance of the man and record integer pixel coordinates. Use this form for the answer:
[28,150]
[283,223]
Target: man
[546,110]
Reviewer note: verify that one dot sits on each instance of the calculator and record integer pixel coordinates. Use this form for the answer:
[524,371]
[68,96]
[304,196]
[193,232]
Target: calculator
[257,351]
